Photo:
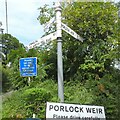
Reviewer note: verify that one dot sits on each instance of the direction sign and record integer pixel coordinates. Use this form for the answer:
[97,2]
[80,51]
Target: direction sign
[28,66]
[49,23]
[74,111]
[48,38]
[43,40]
[71,32]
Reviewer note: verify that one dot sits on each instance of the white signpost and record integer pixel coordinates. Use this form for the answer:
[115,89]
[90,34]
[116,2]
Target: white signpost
[57,35]
[74,111]
[49,23]
[43,40]
[48,38]
[71,32]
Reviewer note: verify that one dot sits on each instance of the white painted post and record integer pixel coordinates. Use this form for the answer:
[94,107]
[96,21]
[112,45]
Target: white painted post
[59,53]
[33,115]
[29,80]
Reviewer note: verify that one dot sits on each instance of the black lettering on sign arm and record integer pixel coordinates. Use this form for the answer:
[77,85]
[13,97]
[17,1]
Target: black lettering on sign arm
[72,32]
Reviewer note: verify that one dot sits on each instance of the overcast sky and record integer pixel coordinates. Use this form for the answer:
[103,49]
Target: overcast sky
[22,18]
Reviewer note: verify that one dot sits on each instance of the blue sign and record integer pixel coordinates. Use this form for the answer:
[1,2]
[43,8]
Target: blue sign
[28,66]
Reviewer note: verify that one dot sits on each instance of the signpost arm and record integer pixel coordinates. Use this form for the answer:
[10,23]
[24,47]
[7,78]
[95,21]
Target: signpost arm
[59,53]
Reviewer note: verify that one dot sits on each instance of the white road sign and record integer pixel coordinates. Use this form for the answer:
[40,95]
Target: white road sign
[74,111]
[71,32]
[42,40]
[49,23]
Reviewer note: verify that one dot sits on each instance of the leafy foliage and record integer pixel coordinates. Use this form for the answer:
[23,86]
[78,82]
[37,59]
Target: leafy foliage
[9,43]
[5,79]
[30,100]
[33,99]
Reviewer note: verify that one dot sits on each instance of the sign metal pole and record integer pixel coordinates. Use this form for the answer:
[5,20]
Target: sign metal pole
[59,53]
[29,80]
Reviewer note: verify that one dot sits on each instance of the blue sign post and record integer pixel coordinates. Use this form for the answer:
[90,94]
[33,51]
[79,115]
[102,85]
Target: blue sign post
[28,66]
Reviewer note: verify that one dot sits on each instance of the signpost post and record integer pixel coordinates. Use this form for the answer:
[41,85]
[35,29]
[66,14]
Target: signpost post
[59,53]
